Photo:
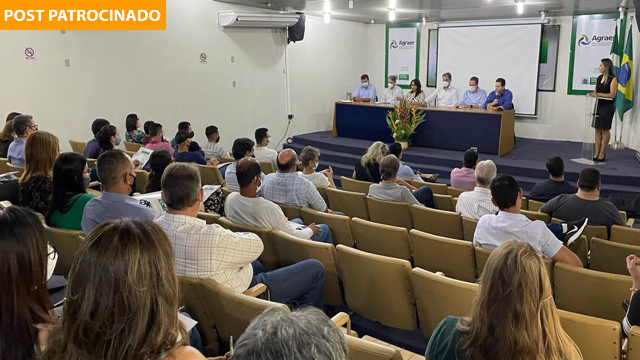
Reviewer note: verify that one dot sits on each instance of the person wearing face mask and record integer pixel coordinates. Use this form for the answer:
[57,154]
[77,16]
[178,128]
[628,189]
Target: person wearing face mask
[474,97]
[108,138]
[193,146]
[501,98]
[310,158]
[156,132]
[416,95]
[366,92]
[213,149]
[118,178]
[445,96]
[70,182]
[182,154]
[392,93]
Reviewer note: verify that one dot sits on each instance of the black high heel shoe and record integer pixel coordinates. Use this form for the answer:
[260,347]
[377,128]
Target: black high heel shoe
[595,159]
[603,159]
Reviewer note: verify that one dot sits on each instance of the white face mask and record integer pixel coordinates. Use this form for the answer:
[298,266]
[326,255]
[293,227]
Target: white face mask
[365,85]
[445,84]
[473,88]
[391,85]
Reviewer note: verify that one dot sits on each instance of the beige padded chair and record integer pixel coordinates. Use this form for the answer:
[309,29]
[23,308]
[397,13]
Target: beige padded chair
[352,204]
[209,175]
[131,146]
[455,258]
[340,225]
[226,191]
[190,299]
[633,344]
[360,349]
[290,211]
[386,240]
[130,153]
[226,159]
[469,227]
[404,354]
[625,235]
[482,255]
[269,256]
[525,203]
[18,169]
[535,205]
[598,231]
[609,256]
[78,146]
[91,163]
[437,222]
[534,215]
[439,296]
[292,250]
[142,179]
[66,242]
[3,166]
[267,167]
[623,215]
[323,192]
[436,188]
[455,192]
[597,339]
[390,212]
[210,218]
[378,287]
[444,202]
[590,292]
[349,184]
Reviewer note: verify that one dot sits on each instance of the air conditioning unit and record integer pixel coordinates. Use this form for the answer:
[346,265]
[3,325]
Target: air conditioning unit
[232,18]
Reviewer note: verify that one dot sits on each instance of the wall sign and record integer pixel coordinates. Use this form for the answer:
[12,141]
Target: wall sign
[402,53]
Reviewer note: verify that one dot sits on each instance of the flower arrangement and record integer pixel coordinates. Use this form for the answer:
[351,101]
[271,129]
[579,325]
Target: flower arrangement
[403,120]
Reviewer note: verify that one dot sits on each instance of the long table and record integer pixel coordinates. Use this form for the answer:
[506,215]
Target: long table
[492,132]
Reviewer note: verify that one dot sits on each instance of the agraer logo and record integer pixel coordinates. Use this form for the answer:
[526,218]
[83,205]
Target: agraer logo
[595,40]
[401,44]
[394,44]
[584,40]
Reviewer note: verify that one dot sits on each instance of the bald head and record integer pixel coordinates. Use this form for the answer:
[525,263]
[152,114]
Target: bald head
[287,161]
[247,170]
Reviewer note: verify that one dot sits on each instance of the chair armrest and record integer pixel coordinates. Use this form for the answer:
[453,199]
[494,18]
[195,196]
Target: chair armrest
[340,319]
[94,183]
[630,222]
[257,291]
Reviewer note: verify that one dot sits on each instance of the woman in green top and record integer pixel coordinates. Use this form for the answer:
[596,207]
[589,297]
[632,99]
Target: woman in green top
[70,181]
[514,317]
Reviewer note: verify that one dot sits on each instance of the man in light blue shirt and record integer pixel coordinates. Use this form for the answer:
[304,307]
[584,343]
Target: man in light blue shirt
[365,92]
[474,97]
[23,126]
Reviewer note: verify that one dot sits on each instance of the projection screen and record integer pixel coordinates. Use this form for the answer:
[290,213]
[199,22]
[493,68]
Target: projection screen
[489,52]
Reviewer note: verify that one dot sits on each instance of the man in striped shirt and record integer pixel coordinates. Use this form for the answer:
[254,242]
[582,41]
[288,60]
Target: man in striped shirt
[474,204]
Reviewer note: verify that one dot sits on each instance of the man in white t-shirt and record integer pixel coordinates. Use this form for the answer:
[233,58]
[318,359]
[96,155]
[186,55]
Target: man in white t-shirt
[262,152]
[309,160]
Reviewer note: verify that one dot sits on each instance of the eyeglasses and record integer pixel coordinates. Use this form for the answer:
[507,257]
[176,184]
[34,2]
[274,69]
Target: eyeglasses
[34,127]
[132,175]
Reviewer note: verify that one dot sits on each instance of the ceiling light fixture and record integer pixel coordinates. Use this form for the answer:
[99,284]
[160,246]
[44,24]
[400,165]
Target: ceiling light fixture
[520,5]
[424,20]
[327,11]
[543,14]
[373,21]
[350,4]
[392,14]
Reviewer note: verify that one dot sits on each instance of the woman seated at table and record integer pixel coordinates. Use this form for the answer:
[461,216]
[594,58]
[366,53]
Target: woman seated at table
[310,158]
[416,95]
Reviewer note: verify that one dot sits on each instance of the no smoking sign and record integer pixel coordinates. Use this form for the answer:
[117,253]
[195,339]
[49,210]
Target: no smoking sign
[203,58]
[29,53]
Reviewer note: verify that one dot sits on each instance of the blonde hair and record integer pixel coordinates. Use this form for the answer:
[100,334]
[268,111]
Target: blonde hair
[515,316]
[40,151]
[374,153]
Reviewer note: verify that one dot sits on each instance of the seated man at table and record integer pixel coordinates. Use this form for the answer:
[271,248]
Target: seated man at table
[392,93]
[474,97]
[389,189]
[555,185]
[465,178]
[446,96]
[500,98]
[366,92]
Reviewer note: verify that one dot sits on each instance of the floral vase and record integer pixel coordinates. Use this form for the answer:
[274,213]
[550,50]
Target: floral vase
[405,144]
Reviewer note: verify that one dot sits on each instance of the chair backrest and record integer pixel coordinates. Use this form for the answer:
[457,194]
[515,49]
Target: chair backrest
[633,344]
[590,292]
[535,205]
[597,339]
[378,287]
[210,218]
[482,255]
[436,188]
[269,256]
[130,153]
[598,231]
[142,179]
[323,192]
[66,242]
[292,250]
[455,258]
[386,240]
[623,215]
[609,256]
[349,184]
[437,222]
[267,167]
[352,204]
[226,159]
[226,191]
[625,235]
[131,146]
[360,349]
[439,296]
[340,225]
[18,169]
[291,211]
[524,205]
[444,202]
[390,212]
[209,175]
[469,227]
[78,146]
[535,215]
[3,166]
[91,163]
[455,192]
[190,299]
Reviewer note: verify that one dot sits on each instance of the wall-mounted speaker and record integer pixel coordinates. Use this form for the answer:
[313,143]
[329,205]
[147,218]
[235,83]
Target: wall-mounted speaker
[296,32]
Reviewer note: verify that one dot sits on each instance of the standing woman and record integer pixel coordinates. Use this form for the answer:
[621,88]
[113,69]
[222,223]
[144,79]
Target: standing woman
[134,134]
[606,87]
[36,183]
[108,138]
[416,95]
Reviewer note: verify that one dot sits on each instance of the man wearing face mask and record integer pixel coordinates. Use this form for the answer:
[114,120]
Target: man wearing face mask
[474,97]
[194,146]
[392,93]
[445,96]
[366,92]
[213,149]
[118,178]
[501,98]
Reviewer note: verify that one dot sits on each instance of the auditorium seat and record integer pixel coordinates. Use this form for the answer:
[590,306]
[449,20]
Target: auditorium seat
[290,211]
[381,239]
[535,205]
[378,287]
[455,192]
[66,242]
[210,218]
[535,215]
[360,349]
[609,256]
[625,235]
[349,184]
[455,258]
[525,203]
[131,146]
[405,354]
[340,225]
[633,344]
[292,250]
[3,166]
[209,175]
[226,159]
[439,296]
[390,212]
[623,215]
[91,163]
[436,188]
[195,307]
[590,292]
[597,339]
[437,222]
[142,179]
[444,202]
[130,153]
[78,146]
[323,192]
[482,255]
[226,191]
[17,169]
[352,204]
[267,167]
[269,256]
[469,227]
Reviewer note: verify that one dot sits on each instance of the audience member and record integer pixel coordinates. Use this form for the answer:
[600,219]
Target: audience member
[108,138]
[261,152]
[12,115]
[477,203]
[242,148]
[405,172]
[26,263]
[36,185]
[288,187]
[247,208]
[156,142]
[493,230]
[632,318]
[122,298]
[465,178]
[515,293]
[92,149]
[209,251]
[182,154]
[389,189]
[305,334]
[585,203]
[555,185]
[213,149]
[368,168]
[6,138]
[118,178]
[23,125]
[310,158]
[158,162]
[147,129]
[133,134]
[69,197]
[193,146]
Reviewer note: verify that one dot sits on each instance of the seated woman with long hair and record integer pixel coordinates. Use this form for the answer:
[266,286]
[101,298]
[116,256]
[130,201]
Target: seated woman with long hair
[36,183]
[158,161]
[108,138]
[368,168]
[70,181]
[122,298]
[6,138]
[514,316]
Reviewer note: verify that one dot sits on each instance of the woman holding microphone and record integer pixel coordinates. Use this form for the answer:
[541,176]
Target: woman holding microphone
[606,87]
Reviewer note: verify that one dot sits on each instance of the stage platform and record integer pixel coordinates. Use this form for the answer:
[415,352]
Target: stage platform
[620,173]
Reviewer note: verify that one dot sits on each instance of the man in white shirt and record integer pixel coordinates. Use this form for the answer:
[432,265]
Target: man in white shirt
[246,207]
[210,251]
[242,148]
[446,96]
[262,152]
[392,93]
[474,204]
[493,230]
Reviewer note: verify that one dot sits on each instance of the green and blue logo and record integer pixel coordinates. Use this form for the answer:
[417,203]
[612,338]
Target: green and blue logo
[394,44]
[584,40]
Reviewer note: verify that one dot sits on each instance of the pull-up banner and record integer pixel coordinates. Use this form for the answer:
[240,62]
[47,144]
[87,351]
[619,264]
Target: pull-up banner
[403,53]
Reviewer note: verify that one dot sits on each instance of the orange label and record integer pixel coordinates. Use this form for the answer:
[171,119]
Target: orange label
[83,15]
